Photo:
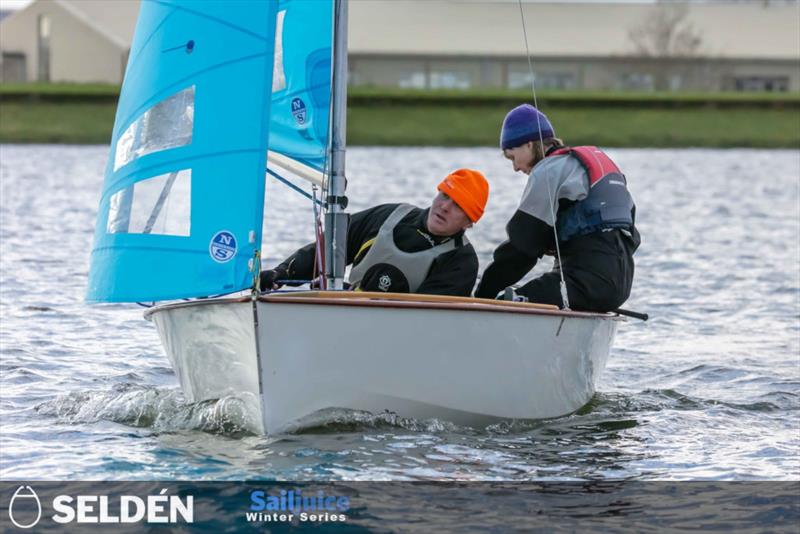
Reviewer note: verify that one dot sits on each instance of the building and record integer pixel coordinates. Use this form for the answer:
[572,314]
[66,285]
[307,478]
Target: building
[574,45]
[455,44]
[68,41]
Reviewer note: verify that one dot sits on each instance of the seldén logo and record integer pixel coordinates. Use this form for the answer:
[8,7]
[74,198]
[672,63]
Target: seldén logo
[21,506]
[25,508]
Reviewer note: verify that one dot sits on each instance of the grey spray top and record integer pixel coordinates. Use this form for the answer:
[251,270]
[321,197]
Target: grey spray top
[413,265]
[552,179]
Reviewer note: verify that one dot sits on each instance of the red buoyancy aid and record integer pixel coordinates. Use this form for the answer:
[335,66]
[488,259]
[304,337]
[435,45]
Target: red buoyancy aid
[595,161]
[609,203]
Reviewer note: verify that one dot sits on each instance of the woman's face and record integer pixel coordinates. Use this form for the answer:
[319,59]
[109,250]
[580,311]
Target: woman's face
[521,157]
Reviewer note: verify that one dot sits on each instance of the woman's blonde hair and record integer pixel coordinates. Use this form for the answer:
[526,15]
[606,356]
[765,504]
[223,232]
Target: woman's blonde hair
[540,148]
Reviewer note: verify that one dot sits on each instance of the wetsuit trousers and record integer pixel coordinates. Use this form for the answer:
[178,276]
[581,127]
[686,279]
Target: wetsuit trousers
[599,282]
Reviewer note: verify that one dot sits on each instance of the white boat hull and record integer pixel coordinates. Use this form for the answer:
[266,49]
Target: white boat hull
[467,361]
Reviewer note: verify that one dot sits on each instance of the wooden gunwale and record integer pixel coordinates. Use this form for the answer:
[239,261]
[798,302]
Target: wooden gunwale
[395,300]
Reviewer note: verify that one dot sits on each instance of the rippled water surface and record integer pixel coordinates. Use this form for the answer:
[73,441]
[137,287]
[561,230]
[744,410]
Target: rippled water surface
[709,388]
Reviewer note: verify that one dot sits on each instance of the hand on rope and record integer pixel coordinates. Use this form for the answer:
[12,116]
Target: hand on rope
[269,279]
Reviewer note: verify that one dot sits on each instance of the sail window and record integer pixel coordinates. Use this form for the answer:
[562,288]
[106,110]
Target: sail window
[168,124]
[278,74]
[158,205]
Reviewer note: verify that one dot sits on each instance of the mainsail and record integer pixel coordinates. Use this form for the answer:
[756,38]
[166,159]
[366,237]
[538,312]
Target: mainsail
[182,204]
[301,88]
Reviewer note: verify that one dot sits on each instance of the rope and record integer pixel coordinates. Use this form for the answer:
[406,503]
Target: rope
[319,239]
[564,296]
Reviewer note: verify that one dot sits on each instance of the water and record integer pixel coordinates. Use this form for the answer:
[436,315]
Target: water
[708,389]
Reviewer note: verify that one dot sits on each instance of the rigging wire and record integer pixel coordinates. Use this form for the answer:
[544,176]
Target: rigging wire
[564,296]
[291,185]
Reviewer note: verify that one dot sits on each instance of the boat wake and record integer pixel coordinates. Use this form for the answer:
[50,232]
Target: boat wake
[341,420]
[159,409]
[166,410]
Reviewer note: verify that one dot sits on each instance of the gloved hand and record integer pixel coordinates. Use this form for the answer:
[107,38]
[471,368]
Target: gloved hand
[268,279]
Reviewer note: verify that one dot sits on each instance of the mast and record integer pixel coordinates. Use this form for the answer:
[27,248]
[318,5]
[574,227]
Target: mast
[336,220]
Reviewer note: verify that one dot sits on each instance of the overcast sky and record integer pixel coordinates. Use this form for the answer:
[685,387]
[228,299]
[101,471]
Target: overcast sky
[14,4]
[17,4]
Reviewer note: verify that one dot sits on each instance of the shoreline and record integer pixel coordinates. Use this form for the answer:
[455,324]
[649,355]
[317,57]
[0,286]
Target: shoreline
[78,114]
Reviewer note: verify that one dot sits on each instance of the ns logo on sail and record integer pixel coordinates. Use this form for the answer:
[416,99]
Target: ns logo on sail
[222,246]
[299,111]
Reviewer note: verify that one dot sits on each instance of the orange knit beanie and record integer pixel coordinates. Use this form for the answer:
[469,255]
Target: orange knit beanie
[469,189]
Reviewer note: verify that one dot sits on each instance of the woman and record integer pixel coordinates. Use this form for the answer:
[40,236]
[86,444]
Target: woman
[577,194]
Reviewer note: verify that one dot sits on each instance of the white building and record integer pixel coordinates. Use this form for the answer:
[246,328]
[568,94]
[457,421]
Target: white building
[574,45]
[466,43]
[68,41]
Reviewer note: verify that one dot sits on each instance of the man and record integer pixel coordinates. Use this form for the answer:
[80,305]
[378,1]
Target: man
[578,194]
[401,248]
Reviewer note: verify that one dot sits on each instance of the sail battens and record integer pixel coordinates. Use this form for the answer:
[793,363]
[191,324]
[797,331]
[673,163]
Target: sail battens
[181,6]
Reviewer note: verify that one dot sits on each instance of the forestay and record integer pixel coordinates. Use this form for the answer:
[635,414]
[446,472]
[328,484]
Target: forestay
[182,203]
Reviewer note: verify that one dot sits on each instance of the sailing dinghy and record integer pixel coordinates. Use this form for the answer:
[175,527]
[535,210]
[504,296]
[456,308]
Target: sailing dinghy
[181,216]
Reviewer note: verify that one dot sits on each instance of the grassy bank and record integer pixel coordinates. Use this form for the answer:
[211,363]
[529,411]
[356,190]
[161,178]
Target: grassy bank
[48,122]
[85,114]
[633,127]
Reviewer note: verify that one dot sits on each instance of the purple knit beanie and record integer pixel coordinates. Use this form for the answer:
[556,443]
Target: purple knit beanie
[523,124]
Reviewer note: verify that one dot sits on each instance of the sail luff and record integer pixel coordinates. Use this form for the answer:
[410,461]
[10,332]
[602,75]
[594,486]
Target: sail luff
[336,220]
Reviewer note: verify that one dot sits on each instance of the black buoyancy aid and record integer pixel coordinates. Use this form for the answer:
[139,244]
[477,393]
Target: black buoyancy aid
[609,203]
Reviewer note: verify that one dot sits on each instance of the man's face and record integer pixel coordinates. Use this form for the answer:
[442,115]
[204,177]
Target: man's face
[521,157]
[445,217]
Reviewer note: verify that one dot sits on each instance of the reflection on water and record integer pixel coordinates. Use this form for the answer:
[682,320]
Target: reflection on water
[709,388]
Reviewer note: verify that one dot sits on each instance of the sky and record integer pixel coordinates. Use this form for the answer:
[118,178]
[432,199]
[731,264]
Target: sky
[18,4]
[13,4]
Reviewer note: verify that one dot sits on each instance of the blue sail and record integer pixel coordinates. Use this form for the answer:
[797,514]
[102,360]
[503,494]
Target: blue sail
[182,204]
[301,85]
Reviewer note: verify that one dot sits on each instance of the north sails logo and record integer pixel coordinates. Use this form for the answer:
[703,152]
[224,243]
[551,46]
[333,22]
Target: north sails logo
[299,111]
[24,498]
[222,246]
